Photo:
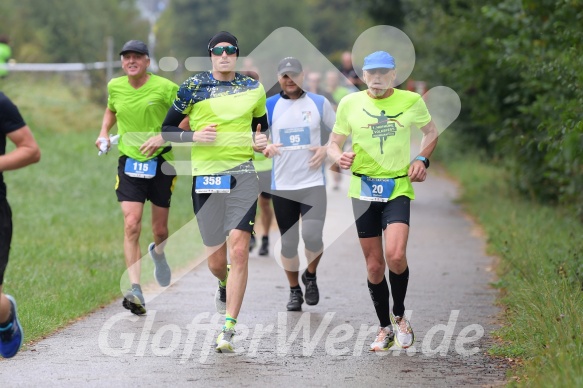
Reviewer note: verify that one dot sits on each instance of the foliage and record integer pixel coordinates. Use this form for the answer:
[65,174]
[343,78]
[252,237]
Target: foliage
[184,30]
[518,70]
[389,12]
[69,30]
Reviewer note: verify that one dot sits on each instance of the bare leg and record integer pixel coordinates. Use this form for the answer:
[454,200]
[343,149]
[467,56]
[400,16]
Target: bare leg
[4,307]
[239,253]
[132,215]
[160,227]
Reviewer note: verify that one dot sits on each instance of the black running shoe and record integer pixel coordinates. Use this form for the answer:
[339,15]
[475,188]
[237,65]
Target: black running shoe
[312,293]
[134,301]
[252,243]
[264,249]
[295,300]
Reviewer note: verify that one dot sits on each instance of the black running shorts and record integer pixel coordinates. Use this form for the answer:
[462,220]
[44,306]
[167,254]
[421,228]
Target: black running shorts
[373,217]
[157,190]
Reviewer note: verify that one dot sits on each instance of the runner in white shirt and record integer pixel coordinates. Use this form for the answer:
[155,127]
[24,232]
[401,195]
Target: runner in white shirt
[300,124]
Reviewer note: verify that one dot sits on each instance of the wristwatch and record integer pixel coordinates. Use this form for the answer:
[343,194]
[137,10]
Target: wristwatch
[424,160]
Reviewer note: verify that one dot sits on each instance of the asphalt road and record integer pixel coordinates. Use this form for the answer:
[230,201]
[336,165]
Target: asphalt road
[449,301]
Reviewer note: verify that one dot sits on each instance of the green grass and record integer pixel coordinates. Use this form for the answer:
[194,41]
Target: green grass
[541,275]
[67,250]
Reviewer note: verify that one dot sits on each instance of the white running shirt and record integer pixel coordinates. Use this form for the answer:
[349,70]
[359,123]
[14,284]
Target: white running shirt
[298,125]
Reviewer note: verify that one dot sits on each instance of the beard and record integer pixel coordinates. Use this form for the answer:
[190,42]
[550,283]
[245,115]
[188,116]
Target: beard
[377,92]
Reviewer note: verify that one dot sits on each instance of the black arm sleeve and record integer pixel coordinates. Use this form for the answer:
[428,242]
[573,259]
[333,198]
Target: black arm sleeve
[170,130]
[324,133]
[264,125]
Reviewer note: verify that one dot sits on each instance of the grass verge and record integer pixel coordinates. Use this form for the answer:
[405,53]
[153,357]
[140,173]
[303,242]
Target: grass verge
[540,276]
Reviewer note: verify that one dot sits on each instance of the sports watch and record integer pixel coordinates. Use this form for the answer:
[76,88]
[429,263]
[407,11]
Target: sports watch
[424,160]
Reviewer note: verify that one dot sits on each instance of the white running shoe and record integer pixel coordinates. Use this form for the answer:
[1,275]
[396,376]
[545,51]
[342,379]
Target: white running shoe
[404,336]
[384,339]
[225,341]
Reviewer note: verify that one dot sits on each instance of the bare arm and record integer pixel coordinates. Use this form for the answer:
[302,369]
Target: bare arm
[107,123]
[417,171]
[429,140]
[25,153]
[335,153]
[152,144]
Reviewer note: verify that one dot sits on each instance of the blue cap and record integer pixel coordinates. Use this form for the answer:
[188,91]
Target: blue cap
[379,60]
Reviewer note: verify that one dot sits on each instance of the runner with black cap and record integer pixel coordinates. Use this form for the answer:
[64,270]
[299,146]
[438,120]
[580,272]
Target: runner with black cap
[138,102]
[229,122]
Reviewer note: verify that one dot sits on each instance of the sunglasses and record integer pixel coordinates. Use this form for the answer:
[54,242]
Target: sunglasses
[219,50]
[382,71]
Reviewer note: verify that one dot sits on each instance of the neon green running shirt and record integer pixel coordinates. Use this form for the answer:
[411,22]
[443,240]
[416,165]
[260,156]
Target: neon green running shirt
[261,162]
[381,133]
[231,105]
[140,112]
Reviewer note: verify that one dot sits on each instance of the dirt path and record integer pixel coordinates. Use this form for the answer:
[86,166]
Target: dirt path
[449,300]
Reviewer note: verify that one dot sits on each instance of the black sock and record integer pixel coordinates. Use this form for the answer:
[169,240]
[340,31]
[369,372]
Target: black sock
[310,275]
[399,287]
[265,238]
[4,325]
[136,285]
[296,288]
[379,293]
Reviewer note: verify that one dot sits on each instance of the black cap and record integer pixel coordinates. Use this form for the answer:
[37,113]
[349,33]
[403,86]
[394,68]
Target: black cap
[289,65]
[136,46]
[223,36]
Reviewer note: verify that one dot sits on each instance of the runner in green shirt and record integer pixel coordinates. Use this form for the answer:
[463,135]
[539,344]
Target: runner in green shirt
[228,117]
[138,102]
[380,120]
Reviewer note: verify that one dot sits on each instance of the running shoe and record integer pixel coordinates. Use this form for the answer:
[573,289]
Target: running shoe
[134,301]
[295,300]
[162,271]
[404,336]
[252,243]
[384,339]
[225,341]
[312,293]
[11,336]
[221,295]
[264,249]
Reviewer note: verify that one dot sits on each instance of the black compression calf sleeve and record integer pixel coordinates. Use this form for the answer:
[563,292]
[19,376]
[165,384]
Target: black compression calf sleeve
[399,288]
[379,293]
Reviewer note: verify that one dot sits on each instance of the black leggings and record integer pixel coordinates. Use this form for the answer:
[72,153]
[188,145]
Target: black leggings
[288,206]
